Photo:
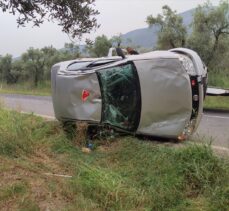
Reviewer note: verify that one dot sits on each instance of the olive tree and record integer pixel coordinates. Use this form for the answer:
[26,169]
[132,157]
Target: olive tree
[172,33]
[6,69]
[210,29]
[99,47]
[34,64]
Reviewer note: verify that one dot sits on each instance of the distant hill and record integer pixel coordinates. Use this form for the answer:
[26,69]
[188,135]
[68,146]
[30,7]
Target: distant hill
[147,37]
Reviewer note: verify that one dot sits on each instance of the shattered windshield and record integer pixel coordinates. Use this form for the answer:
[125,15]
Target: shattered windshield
[120,96]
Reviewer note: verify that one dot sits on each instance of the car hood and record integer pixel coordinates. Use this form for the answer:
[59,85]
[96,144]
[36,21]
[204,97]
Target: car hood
[77,96]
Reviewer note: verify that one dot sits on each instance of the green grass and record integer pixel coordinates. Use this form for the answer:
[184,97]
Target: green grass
[220,80]
[217,102]
[43,89]
[12,191]
[123,174]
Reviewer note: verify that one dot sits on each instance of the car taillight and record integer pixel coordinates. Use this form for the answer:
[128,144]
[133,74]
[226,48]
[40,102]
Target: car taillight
[195,96]
[193,82]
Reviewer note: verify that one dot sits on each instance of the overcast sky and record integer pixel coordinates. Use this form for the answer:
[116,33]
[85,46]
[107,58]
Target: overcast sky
[116,16]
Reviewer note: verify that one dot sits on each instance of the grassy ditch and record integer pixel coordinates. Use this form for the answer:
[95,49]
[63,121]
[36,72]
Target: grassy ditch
[122,174]
[43,89]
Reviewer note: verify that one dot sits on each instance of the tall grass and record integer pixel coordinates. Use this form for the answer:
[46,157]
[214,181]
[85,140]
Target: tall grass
[216,102]
[127,174]
[135,175]
[43,88]
[219,79]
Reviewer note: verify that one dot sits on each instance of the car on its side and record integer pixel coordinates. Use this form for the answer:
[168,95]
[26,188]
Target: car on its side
[159,93]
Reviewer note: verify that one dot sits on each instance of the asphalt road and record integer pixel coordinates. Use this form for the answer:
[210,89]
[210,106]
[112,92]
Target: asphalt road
[41,105]
[214,126]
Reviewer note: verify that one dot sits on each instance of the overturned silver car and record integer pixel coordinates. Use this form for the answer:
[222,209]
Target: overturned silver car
[159,93]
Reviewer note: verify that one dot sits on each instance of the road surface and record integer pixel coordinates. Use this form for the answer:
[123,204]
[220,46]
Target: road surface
[214,126]
[41,105]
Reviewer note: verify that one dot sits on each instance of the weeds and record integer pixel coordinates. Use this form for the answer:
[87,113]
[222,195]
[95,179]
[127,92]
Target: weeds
[129,174]
[219,79]
[216,102]
[12,191]
[43,89]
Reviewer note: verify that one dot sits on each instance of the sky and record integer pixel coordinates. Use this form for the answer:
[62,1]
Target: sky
[116,16]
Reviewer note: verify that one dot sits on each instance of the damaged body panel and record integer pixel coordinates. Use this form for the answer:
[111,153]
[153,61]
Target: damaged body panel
[159,93]
[77,103]
[160,79]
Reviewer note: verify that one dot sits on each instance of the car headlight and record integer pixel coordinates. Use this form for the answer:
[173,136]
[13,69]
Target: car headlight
[187,64]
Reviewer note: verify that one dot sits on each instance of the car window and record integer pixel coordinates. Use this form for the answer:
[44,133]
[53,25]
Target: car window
[120,96]
[78,65]
[88,64]
[101,62]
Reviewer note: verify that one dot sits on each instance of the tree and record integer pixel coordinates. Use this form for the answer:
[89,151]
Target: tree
[99,47]
[210,28]
[51,56]
[116,40]
[34,65]
[74,16]
[17,70]
[172,33]
[5,69]
[73,49]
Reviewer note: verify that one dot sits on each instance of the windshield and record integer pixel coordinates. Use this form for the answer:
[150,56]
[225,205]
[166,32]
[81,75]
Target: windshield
[120,96]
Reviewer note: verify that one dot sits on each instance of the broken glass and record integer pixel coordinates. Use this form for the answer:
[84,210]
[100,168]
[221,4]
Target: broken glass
[120,96]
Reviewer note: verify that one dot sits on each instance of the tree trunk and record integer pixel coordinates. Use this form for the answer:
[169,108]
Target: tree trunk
[36,78]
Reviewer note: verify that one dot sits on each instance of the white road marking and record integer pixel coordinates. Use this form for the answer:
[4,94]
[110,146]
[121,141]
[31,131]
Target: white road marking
[219,117]
[220,148]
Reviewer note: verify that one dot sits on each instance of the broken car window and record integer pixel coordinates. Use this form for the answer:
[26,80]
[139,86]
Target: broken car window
[120,96]
[78,65]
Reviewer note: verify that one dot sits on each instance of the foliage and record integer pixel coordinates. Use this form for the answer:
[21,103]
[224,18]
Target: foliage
[6,69]
[172,31]
[35,64]
[75,17]
[208,36]
[99,47]
[73,49]
[116,40]
[211,31]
